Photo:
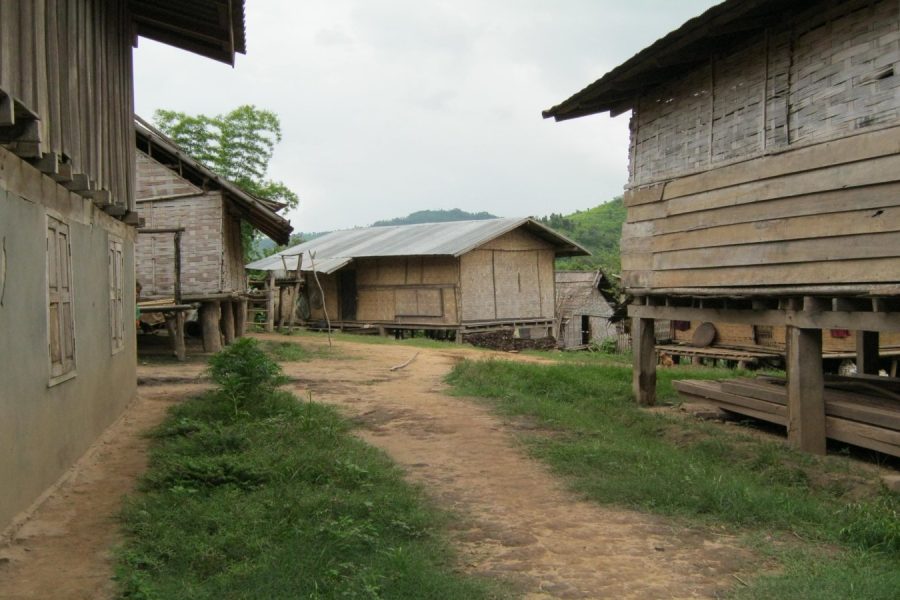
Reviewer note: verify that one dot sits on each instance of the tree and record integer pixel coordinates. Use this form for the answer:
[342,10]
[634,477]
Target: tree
[237,145]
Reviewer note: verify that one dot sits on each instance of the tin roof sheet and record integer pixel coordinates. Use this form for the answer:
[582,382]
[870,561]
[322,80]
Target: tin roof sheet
[425,239]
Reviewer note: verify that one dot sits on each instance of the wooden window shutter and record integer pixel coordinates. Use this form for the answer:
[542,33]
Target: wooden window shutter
[116,259]
[60,299]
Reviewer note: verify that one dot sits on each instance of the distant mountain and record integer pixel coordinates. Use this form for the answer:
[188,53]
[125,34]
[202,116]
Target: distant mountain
[435,216]
[598,229]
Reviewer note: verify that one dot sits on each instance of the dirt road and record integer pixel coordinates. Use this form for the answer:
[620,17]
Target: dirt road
[515,519]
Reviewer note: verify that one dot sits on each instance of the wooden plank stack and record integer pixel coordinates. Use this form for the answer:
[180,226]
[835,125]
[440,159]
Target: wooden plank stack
[863,411]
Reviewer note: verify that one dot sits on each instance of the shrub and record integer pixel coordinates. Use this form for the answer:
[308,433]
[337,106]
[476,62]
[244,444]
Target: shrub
[243,371]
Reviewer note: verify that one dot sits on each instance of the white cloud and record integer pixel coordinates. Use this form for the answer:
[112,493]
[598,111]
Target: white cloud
[400,105]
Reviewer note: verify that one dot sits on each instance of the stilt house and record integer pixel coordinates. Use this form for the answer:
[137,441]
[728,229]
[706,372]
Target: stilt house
[764,186]
[584,304]
[67,216]
[176,194]
[462,277]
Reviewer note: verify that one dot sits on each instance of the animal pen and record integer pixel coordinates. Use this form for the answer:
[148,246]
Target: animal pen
[764,190]
[178,196]
[456,279]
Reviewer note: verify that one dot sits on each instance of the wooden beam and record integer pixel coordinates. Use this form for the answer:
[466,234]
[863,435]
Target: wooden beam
[7,111]
[870,321]
[806,390]
[643,341]
[867,352]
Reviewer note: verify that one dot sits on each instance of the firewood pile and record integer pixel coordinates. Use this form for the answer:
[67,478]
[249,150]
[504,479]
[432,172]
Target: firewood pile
[505,341]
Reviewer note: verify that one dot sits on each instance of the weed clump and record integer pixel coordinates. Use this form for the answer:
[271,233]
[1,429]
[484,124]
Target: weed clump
[244,371]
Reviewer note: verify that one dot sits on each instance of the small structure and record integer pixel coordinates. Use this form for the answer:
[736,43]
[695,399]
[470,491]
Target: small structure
[763,182]
[584,304]
[67,217]
[460,277]
[177,195]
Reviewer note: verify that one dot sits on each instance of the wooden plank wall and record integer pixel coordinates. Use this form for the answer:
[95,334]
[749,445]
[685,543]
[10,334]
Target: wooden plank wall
[70,63]
[822,215]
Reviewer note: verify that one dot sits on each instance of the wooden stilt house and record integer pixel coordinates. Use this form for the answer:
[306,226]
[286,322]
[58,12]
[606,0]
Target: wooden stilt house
[176,194]
[763,184]
[67,216]
[462,278]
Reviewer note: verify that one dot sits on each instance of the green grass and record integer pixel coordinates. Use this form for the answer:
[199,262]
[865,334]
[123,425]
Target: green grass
[820,511]
[415,342]
[263,496]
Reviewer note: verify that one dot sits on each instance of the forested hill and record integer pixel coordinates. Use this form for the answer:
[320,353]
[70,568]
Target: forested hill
[598,229]
[435,216]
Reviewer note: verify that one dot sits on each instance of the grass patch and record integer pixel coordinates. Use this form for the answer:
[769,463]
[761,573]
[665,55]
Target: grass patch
[253,494]
[613,452]
[415,342]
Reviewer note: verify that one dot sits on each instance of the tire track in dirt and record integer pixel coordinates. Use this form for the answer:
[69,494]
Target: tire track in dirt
[516,520]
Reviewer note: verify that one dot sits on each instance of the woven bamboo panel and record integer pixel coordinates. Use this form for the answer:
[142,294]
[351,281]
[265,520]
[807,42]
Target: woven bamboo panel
[477,279]
[827,73]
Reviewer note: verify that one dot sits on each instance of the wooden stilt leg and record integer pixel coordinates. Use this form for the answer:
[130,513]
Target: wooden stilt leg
[180,352]
[643,342]
[209,320]
[806,390]
[228,322]
[867,352]
[270,304]
[240,317]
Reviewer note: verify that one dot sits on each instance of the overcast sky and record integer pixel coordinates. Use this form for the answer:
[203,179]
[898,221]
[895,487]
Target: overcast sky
[392,106]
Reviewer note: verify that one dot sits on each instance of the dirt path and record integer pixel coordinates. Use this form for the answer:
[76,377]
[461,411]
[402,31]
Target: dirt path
[63,551]
[517,520]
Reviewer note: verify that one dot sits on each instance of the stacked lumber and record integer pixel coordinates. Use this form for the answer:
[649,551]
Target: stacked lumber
[864,412]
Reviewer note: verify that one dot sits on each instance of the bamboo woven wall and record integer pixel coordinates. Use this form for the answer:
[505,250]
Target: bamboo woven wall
[72,68]
[202,246]
[510,277]
[822,74]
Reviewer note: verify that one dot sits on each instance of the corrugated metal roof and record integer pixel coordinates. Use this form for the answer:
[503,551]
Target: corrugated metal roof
[426,239]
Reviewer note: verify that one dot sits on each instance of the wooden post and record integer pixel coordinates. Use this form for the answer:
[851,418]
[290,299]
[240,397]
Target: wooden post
[867,352]
[643,341]
[209,320]
[180,352]
[270,303]
[240,317]
[806,390]
[294,301]
[228,322]
[178,267]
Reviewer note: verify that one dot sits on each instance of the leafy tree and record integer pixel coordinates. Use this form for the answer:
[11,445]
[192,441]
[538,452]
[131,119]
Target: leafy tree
[237,145]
